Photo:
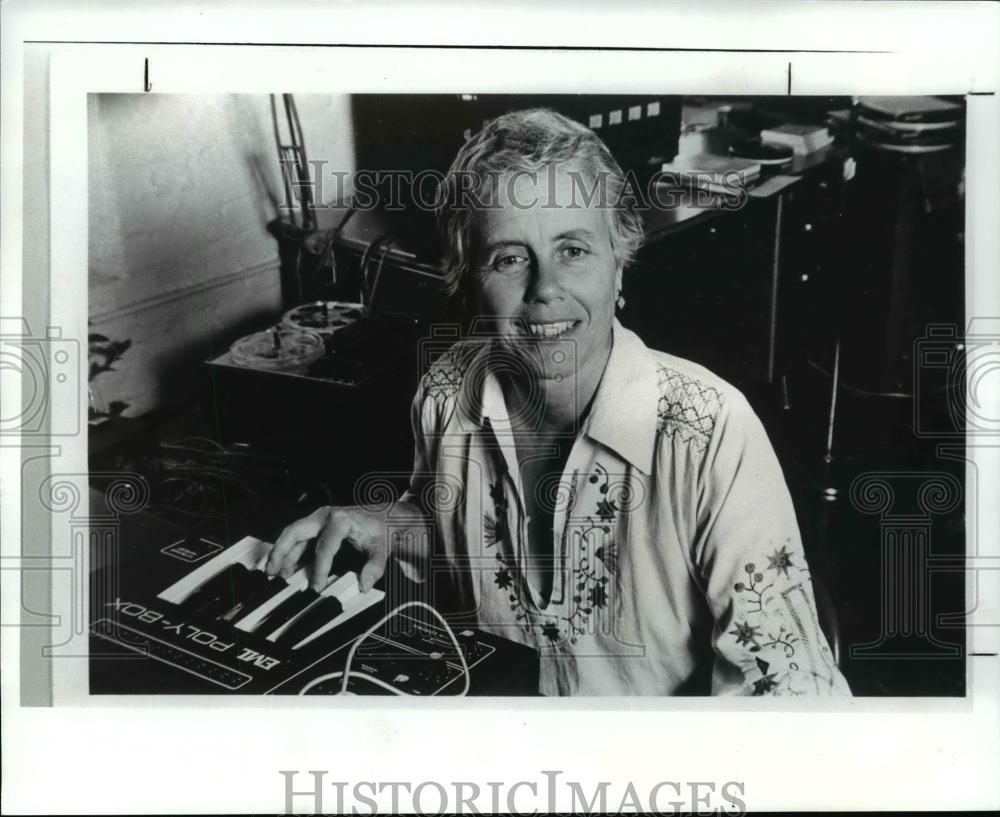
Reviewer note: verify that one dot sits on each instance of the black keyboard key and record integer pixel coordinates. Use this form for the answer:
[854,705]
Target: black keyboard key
[257,588]
[311,620]
[215,590]
[286,611]
[260,589]
[230,596]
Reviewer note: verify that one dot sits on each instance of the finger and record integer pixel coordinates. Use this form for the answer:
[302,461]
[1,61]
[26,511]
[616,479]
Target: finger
[290,559]
[327,545]
[374,568]
[291,562]
[301,531]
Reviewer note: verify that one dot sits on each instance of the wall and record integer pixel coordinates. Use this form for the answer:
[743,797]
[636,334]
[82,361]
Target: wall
[181,189]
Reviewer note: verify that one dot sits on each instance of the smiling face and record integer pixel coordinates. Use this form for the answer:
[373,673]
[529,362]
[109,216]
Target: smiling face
[548,276]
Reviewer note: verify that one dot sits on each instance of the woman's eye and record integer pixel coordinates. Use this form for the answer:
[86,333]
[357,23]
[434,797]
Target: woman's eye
[509,261]
[573,253]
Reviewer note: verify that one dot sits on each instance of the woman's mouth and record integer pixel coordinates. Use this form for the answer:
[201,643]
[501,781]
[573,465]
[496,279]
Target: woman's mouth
[549,329]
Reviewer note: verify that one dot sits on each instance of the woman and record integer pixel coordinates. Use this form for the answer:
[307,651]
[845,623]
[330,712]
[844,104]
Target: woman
[619,508]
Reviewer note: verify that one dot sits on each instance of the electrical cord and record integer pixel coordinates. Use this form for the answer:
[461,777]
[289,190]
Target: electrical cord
[863,392]
[347,674]
[387,244]
[328,255]
[185,444]
[363,266]
[360,675]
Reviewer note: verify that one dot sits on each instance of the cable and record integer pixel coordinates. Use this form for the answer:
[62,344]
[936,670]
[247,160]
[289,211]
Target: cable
[351,210]
[362,267]
[363,270]
[863,392]
[332,675]
[386,245]
[384,619]
[346,675]
[181,444]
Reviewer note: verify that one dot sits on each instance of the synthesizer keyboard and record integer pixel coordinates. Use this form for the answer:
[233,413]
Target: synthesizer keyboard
[197,618]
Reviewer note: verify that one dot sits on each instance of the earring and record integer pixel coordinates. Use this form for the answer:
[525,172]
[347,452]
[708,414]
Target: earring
[621,300]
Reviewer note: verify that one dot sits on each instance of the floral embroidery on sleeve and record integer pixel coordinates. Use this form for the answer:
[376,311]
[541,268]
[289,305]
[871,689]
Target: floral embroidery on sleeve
[780,561]
[777,651]
[756,589]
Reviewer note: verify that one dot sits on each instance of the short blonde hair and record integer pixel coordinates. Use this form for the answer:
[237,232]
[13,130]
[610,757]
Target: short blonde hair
[528,141]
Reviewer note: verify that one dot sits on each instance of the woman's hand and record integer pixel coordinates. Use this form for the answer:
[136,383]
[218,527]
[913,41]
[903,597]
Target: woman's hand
[333,527]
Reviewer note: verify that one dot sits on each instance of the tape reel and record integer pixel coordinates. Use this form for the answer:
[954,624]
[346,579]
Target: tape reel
[323,317]
[279,350]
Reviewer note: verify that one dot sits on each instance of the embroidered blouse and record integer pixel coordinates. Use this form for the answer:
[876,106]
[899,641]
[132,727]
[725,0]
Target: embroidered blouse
[678,562]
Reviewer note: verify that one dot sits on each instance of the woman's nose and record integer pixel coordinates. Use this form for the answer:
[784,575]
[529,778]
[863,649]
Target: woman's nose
[545,285]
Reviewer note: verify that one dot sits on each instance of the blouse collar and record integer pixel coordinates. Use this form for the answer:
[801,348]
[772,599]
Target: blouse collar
[624,411]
